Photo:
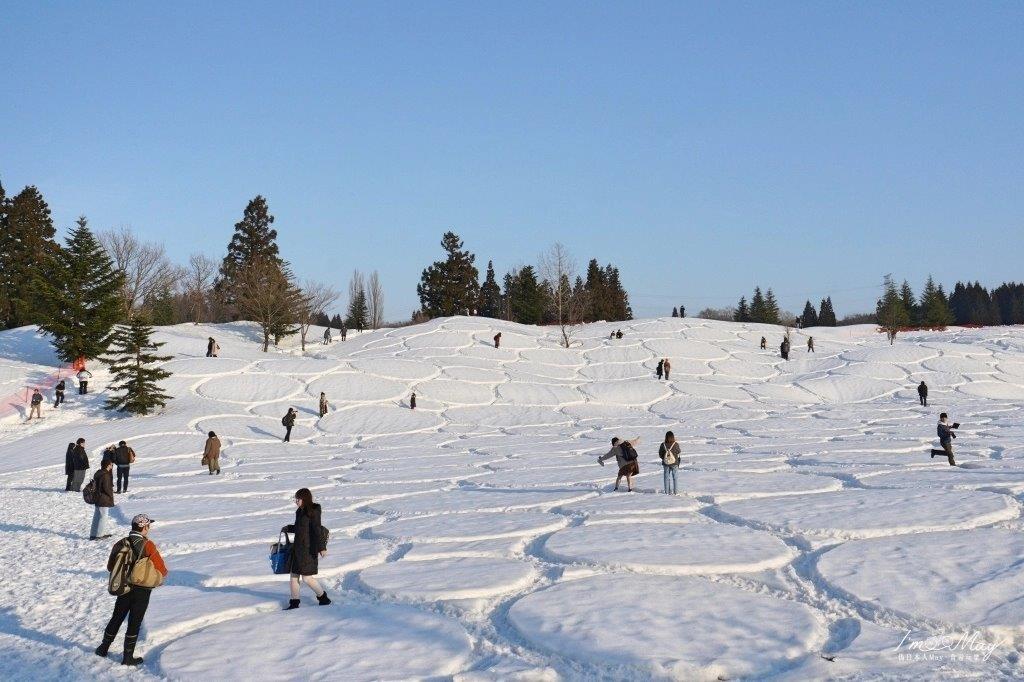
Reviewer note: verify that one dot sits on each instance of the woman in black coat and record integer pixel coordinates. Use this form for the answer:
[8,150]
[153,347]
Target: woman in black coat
[307,547]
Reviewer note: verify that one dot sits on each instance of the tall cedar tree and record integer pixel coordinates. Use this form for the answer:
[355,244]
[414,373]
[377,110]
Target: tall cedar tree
[526,297]
[910,303]
[1009,299]
[133,363]
[935,310]
[758,310]
[606,298]
[82,304]
[826,313]
[336,321]
[253,240]
[890,310]
[358,314]
[809,318]
[26,250]
[742,313]
[450,287]
[771,308]
[490,295]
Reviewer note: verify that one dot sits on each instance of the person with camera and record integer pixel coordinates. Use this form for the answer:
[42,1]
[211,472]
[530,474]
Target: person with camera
[946,437]
[624,452]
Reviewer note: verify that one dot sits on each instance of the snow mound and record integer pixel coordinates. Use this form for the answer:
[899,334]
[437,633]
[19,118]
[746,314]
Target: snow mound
[449,579]
[469,526]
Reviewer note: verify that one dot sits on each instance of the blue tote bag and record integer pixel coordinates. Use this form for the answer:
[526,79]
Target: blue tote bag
[280,555]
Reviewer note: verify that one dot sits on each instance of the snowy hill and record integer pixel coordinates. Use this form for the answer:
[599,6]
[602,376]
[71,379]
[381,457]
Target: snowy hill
[477,537]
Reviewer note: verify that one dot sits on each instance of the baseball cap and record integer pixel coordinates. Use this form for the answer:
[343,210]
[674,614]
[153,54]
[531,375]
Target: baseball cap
[141,520]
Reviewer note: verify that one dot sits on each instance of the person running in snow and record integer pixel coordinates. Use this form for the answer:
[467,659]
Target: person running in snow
[35,405]
[212,348]
[668,368]
[497,340]
[660,369]
[810,344]
[83,381]
[327,336]
[211,453]
[764,343]
[103,499]
[669,452]
[323,403]
[922,393]
[624,452]
[307,547]
[412,401]
[79,464]
[133,604]
[288,421]
[946,437]
[124,457]
[58,393]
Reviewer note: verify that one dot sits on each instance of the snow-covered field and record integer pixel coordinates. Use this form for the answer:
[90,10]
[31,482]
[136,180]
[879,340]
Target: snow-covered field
[477,538]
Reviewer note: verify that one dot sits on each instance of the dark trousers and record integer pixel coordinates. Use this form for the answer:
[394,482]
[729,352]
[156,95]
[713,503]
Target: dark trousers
[924,400]
[288,434]
[67,486]
[122,475]
[947,450]
[133,605]
[59,398]
[83,387]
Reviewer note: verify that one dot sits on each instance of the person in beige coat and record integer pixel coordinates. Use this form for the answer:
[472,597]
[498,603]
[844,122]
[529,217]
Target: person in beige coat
[624,452]
[323,404]
[211,453]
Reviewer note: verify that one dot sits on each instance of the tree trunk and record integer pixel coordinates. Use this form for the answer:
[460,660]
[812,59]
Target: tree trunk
[266,340]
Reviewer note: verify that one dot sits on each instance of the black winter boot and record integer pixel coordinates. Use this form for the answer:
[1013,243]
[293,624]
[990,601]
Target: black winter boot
[292,604]
[323,599]
[129,652]
[103,648]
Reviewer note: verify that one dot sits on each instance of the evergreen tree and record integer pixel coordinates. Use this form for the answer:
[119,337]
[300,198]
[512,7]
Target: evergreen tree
[675,312]
[890,310]
[935,310]
[450,287]
[619,299]
[909,302]
[758,310]
[253,240]
[322,320]
[742,313]
[81,305]
[27,248]
[357,310]
[490,295]
[809,318]
[526,297]
[160,309]
[1009,299]
[336,321]
[771,307]
[826,314]
[597,294]
[135,368]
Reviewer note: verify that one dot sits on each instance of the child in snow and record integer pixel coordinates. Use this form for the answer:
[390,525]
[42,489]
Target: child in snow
[624,452]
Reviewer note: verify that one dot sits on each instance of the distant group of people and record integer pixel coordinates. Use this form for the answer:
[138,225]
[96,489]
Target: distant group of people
[342,331]
[36,400]
[615,334]
[786,346]
[628,461]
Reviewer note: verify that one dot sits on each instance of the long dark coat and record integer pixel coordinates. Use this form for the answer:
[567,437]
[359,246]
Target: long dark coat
[104,480]
[306,545]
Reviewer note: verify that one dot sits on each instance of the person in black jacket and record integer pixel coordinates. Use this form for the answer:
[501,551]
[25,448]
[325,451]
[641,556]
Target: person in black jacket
[660,369]
[79,464]
[103,500]
[58,392]
[306,549]
[69,466]
[288,421]
[922,393]
[123,458]
[946,436]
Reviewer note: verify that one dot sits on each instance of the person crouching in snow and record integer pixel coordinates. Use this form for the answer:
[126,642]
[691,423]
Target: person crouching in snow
[624,452]
[306,548]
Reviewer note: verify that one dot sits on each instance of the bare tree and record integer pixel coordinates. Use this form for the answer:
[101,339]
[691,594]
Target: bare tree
[147,270]
[375,301]
[314,300]
[196,284]
[567,302]
[266,295]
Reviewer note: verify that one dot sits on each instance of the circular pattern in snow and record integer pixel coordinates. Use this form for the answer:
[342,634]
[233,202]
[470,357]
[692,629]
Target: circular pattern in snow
[357,387]
[852,514]
[732,485]
[845,388]
[501,416]
[631,392]
[407,370]
[970,578]
[668,627]
[538,394]
[447,579]
[685,348]
[449,392]
[476,500]
[379,420]
[346,642]
[671,548]
[994,390]
[955,365]
[298,365]
[250,388]
[440,339]
[632,505]
[200,367]
[899,354]
[470,526]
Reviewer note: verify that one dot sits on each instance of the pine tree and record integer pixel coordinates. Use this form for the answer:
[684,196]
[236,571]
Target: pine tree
[27,248]
[771,307]
[675,312]
[450,287]
[136,374]
[336,321]
[357,310]
[826,314]
[160,309]
[910,303]
[742,313]
[890,310]
[526,298]
[619,299]
[81,305]
[758,311]
[490,295]
[935,310]
[597,294]
[254,240]
[809,318]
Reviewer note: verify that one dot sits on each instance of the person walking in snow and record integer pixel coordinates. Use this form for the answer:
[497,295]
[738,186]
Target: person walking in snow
[497,340]
[764,343]
[327,336]
[344,331]
[810,344]
[412,401]
[78,460]
[211,453]
[83,381]
[124,457]
[784,349]
[35,405]
[922,393]
[624,452]
[669,452]
[133,604]
[668,368]
[946,436]
[660,369]
[103,499]
[307,547]
[212,348]
[288,421]
[323,403]
[58,393]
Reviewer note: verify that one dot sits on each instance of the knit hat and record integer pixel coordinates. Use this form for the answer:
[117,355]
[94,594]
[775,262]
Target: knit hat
[141,520]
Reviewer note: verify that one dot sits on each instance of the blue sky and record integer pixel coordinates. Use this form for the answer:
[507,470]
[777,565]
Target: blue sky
[702,148]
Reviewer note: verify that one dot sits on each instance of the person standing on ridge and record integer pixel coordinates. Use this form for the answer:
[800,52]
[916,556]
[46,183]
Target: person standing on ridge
[624,452]
[211,453]
[946,437]
[412,401]
[58,393]
[669,453]
[922,393]
[764,343]
[288,421]
[133,603]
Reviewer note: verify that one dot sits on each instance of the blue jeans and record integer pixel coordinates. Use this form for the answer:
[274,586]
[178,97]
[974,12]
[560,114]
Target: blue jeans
[99,521]
[669,474]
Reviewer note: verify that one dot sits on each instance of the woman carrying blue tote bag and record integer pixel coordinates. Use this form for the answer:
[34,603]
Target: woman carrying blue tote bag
[280,555]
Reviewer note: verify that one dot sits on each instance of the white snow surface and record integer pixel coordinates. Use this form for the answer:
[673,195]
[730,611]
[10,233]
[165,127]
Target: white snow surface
[476,538]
